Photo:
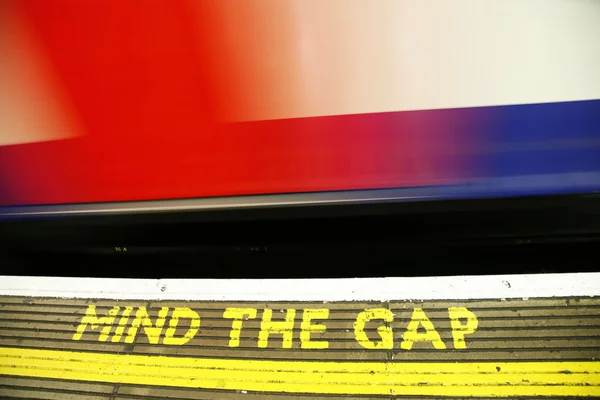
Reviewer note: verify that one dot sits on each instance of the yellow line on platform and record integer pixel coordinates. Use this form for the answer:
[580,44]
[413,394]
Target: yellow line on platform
[489,379]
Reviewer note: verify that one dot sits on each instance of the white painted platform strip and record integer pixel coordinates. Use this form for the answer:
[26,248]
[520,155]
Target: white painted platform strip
[347,289]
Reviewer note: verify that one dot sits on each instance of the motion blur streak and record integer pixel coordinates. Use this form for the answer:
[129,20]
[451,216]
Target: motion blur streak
[185,98]
[304,58]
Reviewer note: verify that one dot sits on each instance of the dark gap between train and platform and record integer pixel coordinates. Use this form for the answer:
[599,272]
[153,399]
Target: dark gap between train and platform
[467,239]
[271,261]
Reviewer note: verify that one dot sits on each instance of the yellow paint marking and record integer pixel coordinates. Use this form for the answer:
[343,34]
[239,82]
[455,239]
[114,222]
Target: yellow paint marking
[285,328]
[307,327]
[238,315]
[142,318]
[459,330]
[386,333]
[94,322]
[122,323]
[412,334]
[183,313]
[489,379]
[462,321]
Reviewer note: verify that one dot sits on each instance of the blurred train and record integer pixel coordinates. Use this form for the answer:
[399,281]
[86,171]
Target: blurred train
[426,173]
[420,122]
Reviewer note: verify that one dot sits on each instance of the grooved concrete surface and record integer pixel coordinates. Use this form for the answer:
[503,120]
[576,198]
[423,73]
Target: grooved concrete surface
[104,349]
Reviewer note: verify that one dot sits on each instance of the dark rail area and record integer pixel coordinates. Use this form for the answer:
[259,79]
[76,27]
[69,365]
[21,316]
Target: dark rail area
[528,235]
